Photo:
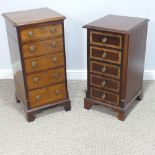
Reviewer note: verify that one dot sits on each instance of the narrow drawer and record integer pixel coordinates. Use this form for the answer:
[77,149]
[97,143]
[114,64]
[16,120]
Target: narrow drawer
[106,55]
[104,96]
[43,47]
[44,62]
[45,78]
[47,95]
[105,69]
[104,83]
[41,32]
[106,39]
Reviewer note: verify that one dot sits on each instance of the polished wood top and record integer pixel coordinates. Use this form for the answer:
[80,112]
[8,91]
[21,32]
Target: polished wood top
[114,23]
[32,16]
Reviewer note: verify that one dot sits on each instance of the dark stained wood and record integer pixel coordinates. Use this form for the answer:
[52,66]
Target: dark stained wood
[115,23]
[106,39]
[67,106]
[105,55]
[33,16]
[49,55]
[105,69]
[104,83]
[16,62]
[136,56]
[104,96]
[124,65]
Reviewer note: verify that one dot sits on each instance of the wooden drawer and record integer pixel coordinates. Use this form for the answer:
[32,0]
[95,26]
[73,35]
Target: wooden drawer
[45,78]
[44,62]
[104,83]
[43,47]
[106,39]
[105,69]
[104,96]
[47,95]
[106,55]
[41,32]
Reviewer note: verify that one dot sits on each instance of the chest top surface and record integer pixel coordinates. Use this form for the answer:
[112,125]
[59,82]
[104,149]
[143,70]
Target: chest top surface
[32,16]
[122,24]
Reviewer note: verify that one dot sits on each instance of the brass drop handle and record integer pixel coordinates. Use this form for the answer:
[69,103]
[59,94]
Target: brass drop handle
[103,96]
[103,83]
[104,55]
[54,59]
[30,34]
[32,49]
[56,75]
[34,64]
[104,40]
[53,44]
[104,69]
[35,80]
[53,30]
[37,97]
[57,92]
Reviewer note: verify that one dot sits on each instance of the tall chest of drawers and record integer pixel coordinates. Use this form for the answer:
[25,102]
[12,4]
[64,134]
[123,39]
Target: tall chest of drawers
[115,61]
[37,48]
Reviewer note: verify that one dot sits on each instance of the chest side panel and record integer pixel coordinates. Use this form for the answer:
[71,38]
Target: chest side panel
[135,62]
[16,61]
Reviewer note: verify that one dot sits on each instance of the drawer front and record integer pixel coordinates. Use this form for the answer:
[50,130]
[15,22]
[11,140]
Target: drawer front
[44,62]
[43,47]
[105,69]
[41,33]
[104,83]
[104,96]
[106,39]
[105,55]
[45,78]
[47,95]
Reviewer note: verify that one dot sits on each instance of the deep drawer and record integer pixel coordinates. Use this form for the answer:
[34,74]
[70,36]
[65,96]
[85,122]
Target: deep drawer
[104,83]
[42,47]
[104,96]
[47,95]
[105,69]
[45,78]
[106,39]
[41,32]
[44,62]
[106,55]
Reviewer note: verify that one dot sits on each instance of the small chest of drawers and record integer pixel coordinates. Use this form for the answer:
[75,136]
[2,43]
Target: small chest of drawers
[37,48]
[115,61]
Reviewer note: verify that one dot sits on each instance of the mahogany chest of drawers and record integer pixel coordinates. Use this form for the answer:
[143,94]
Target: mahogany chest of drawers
[37,48]
[115,61]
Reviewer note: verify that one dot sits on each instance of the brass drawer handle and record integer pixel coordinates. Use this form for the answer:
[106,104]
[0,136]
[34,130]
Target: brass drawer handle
[104,40]
[32,49]
[57,92]
[53,30]
[35,80]
[54,59]
[103,83]
[34,64]
[56,75]
[104,55]
[37,97]
[53,44]
[104,69]
[103,96]
[30,34]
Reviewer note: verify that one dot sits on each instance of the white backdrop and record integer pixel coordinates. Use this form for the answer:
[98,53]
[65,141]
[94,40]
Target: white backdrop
[79,13]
